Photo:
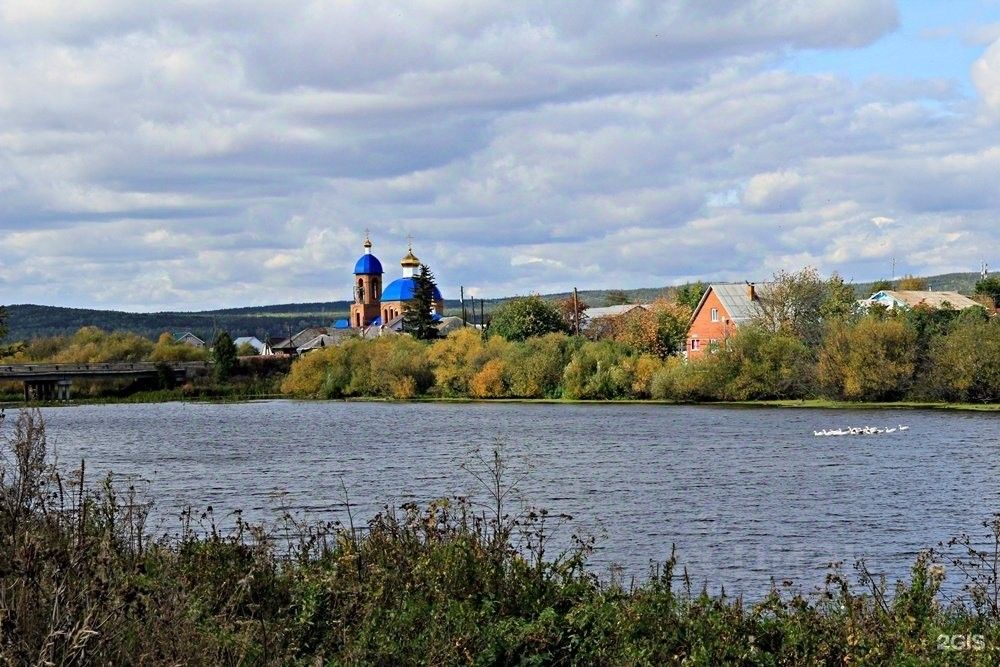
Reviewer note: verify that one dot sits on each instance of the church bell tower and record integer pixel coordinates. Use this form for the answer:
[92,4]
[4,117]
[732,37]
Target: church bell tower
[367,288]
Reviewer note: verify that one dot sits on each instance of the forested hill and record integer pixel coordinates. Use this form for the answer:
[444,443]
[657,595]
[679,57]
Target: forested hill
[30,321]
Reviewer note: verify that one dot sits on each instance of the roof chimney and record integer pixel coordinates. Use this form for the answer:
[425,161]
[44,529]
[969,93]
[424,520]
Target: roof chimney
[751,292]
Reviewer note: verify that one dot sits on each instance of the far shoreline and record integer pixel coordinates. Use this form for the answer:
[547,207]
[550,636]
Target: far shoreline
[815,403]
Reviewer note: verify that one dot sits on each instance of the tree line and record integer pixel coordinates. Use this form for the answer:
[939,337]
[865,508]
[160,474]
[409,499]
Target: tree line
[808,339]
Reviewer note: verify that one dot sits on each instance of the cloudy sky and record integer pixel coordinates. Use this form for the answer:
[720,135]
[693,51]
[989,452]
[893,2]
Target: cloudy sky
[189,155]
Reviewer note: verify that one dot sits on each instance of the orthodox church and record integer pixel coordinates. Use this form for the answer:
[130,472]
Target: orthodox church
[374,306]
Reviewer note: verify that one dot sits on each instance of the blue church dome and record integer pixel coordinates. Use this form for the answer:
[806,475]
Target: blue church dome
[368,264]
[401,289]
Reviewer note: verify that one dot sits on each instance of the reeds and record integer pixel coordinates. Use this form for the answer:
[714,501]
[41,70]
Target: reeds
[82,582]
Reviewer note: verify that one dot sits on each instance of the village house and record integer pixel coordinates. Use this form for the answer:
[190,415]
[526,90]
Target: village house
[723,308]
[893,299]
[188,338]
[614,311]
[252,341]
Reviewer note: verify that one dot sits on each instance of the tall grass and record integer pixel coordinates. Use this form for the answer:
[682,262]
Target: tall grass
[82,582]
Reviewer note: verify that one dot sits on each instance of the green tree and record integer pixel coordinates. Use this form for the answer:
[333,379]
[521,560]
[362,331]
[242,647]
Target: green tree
[3,322]
[840,302]
[246,350]
[418,319]
[756,364]
[990,287]
[224,356]
[793,304]
[526,316]
[965,364]
[871,360]
[690,295]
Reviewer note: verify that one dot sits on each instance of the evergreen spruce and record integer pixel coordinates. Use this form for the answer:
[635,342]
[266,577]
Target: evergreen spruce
[417,318]
[224,356]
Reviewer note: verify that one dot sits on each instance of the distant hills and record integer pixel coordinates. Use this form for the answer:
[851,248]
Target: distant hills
[31,321]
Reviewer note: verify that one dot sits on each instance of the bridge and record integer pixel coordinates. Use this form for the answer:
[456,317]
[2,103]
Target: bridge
[46,382]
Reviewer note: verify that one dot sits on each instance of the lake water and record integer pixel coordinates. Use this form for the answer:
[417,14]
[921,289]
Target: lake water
[745,494]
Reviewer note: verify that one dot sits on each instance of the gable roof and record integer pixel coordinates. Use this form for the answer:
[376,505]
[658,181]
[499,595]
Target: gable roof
[613,311]
[253,341]
[913,298]
[299,339]
[734,299]
[180,337]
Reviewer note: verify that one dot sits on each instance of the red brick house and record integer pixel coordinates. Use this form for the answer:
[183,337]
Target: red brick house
[723,307]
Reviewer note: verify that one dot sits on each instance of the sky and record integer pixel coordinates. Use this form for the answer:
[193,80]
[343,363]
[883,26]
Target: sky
[195,155]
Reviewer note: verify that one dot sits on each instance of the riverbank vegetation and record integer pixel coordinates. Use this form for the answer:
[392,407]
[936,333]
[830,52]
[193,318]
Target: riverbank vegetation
[232,377]
[82,581]
[883,356]
[808,340]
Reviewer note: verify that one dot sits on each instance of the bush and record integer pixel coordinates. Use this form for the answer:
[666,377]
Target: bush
[167,350]
[871,360]
[388,367]
[965,365]
[757,365]
[601,370]
[524,317]
[535,367]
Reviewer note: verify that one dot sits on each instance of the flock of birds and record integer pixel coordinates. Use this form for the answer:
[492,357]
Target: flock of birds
[861,430]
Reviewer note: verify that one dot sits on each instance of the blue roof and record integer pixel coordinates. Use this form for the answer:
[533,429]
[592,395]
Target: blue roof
[341,324]
[401,289]
[368,264]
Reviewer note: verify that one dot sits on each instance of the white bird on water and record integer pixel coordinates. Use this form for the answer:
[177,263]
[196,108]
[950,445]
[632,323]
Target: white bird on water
[904,428]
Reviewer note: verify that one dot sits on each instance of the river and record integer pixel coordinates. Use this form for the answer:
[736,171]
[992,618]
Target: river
[746,494]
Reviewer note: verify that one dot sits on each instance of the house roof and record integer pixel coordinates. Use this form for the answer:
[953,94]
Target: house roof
[300,339]
[734,299]
[253,341]
[614,311]
[449,324]
[913,298]
[186,335]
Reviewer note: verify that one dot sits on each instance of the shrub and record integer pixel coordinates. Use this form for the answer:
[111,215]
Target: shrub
[489,381]
[600,370]
[871,360]
[535,367]
[524,317]
[388,367]
[758,365]
[167,349]
[965,364]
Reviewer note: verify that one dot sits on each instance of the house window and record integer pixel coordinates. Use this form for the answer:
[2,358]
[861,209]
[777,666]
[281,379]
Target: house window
[695,344]
[715,314]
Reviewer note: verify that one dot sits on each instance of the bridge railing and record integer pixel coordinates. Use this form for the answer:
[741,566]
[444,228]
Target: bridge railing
[7,370]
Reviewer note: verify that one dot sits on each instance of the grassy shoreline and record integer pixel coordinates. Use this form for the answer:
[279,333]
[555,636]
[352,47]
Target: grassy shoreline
[444,584]
[223,396]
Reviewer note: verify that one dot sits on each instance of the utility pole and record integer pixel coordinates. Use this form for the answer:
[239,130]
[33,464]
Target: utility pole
[576,312]
[461,297]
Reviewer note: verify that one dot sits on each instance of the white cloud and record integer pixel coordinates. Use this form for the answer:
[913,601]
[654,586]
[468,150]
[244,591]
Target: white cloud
[986,76]
[219,154]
